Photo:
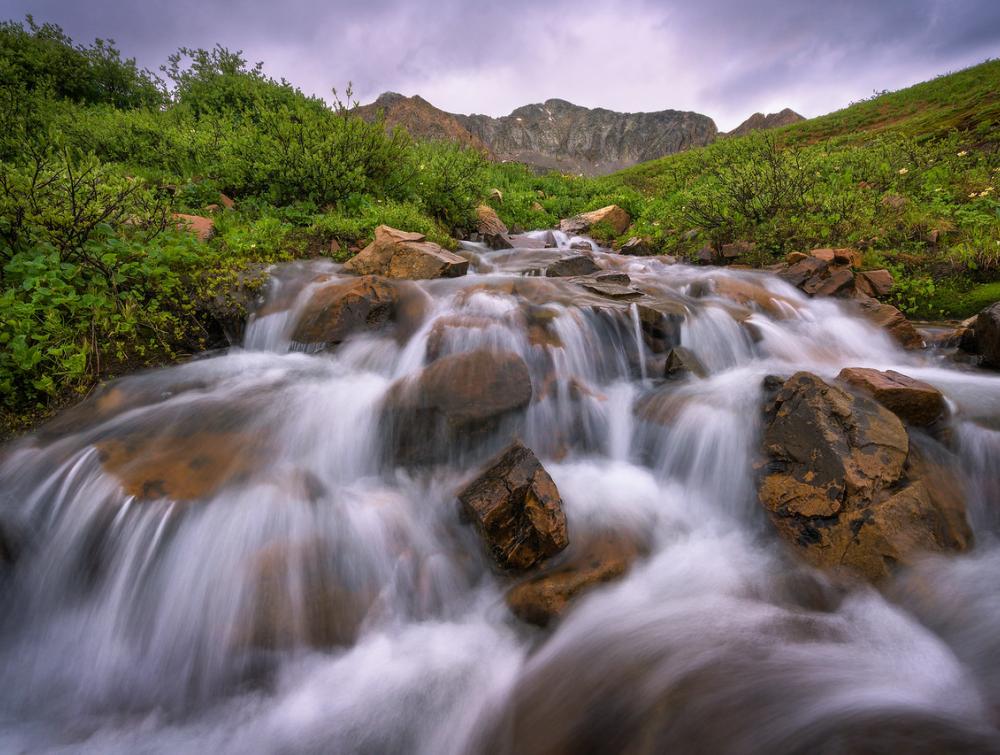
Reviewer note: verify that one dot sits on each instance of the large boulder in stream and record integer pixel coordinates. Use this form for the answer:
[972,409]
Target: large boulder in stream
[352,305]
[839,485]
[457,401]
[516,509]
[612,215]
[399,254]
[891,320]
[568,267]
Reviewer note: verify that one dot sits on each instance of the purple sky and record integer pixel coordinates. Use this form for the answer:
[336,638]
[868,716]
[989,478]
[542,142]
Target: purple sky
[724,58]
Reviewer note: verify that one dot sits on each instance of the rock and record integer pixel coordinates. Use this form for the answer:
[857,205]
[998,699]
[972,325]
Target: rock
[794,257]
[874,283]
[568,267]
[759,121]
[226,202]
[838,282]
[802,271]
[682,362]
[597,560]
[612,215]
[516,509]
[611,290]
[302,598]
[913,401]
[549,240]
[892,320]
[707,255]
[736,249]
[849,257]
[458,400]
[497,195]
[834,482]
[660,323]
[492,228]
[345,307]
[620,279]
[202,228]
[228,301]
[399,254]
[749,292]
[636,247]
[536,206]
[988,335]
[584,246]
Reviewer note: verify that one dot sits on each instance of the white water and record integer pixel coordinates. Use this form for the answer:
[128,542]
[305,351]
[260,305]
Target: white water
[129,625]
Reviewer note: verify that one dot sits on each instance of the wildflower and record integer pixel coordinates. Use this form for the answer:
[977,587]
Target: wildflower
[972,195]
[963,153]
[903,171]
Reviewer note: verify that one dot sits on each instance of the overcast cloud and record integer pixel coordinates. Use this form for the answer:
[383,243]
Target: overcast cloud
[724,58]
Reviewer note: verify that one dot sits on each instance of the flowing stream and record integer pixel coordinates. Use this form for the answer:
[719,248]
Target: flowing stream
[326,599]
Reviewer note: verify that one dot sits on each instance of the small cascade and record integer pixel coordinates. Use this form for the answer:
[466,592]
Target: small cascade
[261,551]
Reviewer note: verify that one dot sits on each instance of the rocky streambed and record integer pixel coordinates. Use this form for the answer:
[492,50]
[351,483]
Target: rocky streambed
[532,496]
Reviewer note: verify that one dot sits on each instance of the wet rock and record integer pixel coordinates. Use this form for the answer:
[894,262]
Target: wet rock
[610,290]
[399,254]
[749,293]
[834,482]
[516,509]
[345,307]
[612,215]
[457,401]
[492,228]
[593,561]
[302,598]
[571,266]
[891,320]
[636,247]
[913,401]
[874,283]
[180,466]
[988,335]
[620,279]
[682,362]
[549,240]
[660,323]
[202,228]
[708,255]
[584,246]
[804,270]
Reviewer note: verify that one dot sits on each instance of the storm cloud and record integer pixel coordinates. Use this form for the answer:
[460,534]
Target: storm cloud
[724,58]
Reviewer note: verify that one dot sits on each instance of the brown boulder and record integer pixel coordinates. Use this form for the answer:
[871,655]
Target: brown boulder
[834,482]
[736,249]
[347,306]
[792,257]
[987,330]
[399,254]
[458,398]
[226,202]
[660,323]
[612,215]
[568,267]
[202,228]
[492,228]
[914,401]
[875,283]
[803,270]
[849,257]
[597,560]
[837,282]
[516,509]
[892,320]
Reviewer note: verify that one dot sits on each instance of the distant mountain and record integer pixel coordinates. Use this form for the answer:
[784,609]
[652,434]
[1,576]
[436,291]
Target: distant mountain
[759,122]
[555,135]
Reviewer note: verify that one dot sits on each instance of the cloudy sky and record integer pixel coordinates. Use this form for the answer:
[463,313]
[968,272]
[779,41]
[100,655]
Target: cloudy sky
[724,58]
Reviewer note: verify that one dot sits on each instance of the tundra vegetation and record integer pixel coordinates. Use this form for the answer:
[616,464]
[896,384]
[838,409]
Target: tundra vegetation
[98,276]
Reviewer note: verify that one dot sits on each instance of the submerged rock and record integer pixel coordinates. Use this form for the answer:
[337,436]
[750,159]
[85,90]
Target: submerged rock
[399,254]
[834,482]
[612,215]
[568,267]
[914,401]
[516,509]
[682,362]
[458,400]
[593,561]
[892,321]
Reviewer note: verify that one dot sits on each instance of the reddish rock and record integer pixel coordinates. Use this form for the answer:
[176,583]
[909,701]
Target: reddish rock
[516,509]
[612,215]
[203,228]
[874,283]
[736,249]
[913,401]
[636,247]
[345,307]
[226,202]
[492,228]
[794,257]
[891,320]
[838,282]
[400,254]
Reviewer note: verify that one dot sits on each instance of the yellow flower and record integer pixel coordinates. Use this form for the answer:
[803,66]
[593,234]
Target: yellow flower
[903,171]
[973,194]
[963,153]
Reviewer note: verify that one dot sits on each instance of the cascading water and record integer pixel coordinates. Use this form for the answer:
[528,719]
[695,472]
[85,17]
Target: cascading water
[227,556]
